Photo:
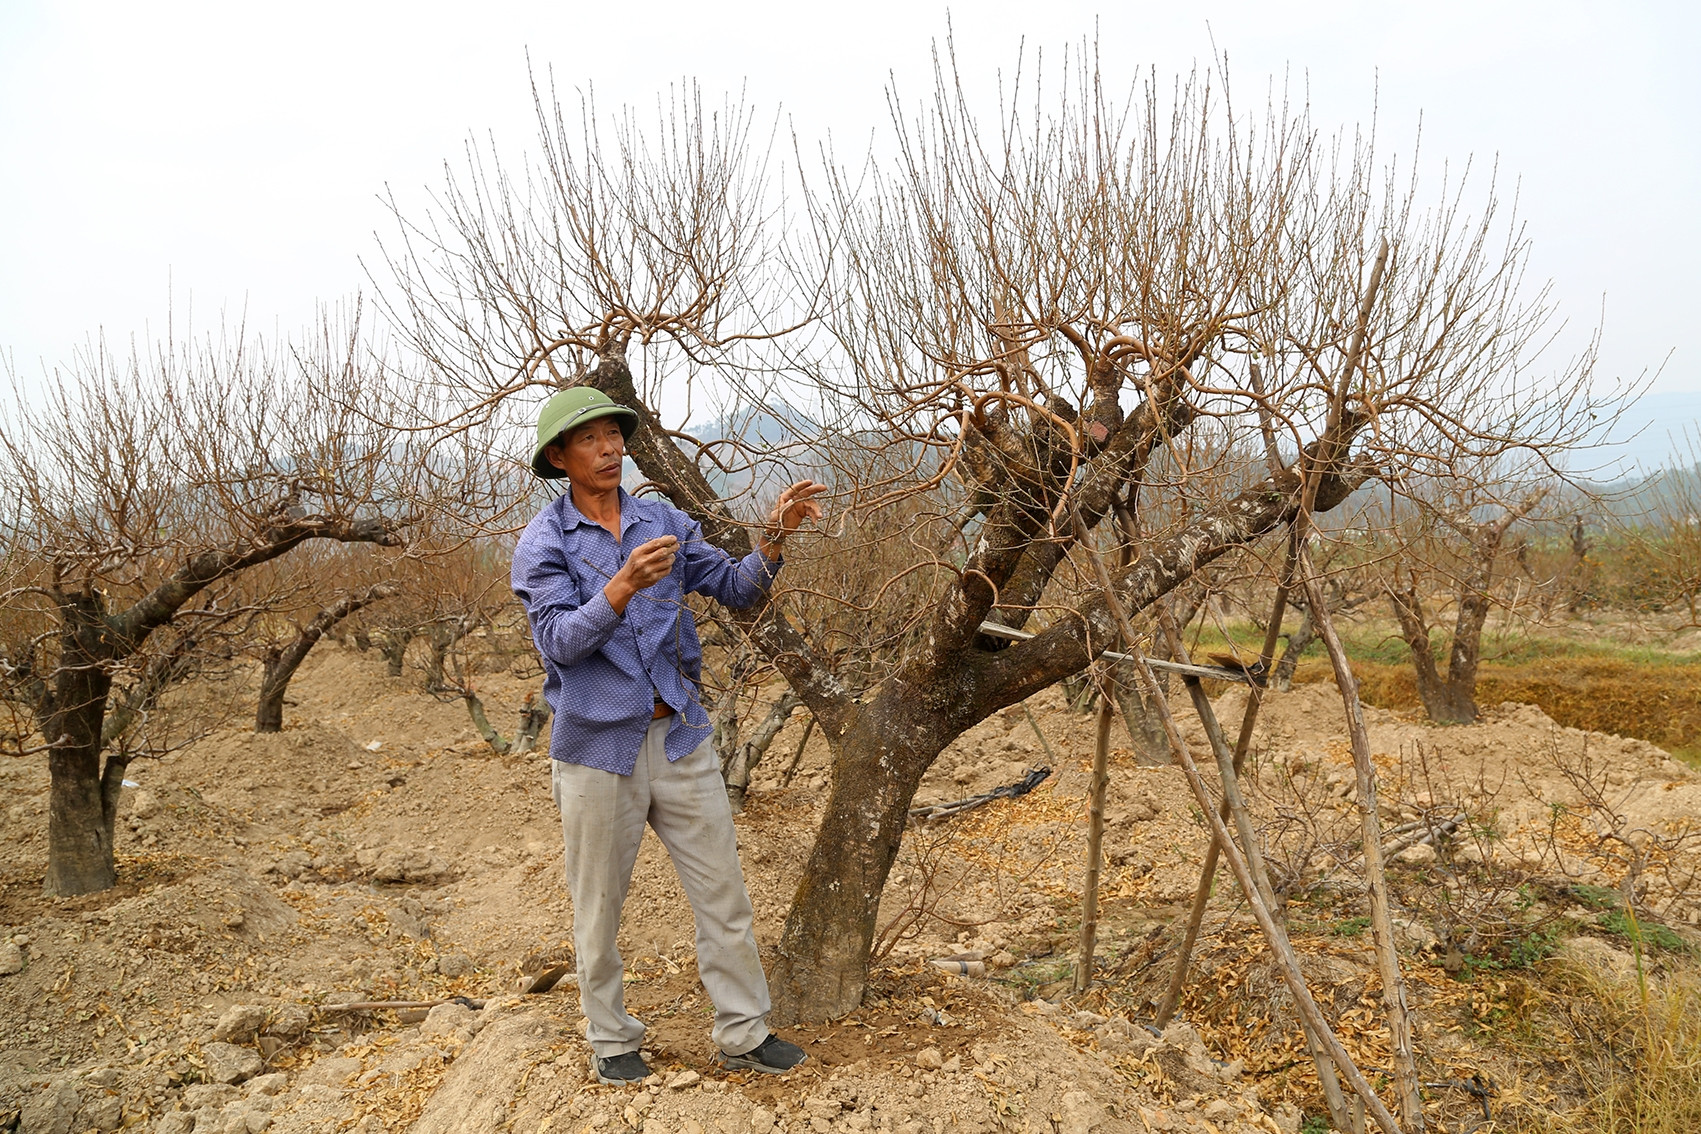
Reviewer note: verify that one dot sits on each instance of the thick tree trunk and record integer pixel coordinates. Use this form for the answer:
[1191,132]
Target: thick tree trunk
[1304,634]
[274,681]
[1459,696]
[1151,747]
[725,712]
[878,764]
[1452,699]
[534,714]
[84,792]
[1450,702]
[82,803]
[80,813]
[443,637]
[1449,698]
[79,829]
[395,649]
[499,744]
[1443,700]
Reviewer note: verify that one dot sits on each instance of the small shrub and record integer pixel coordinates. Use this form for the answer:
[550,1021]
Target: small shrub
[1349,927]
[1530,950]
[1594,897]
[1642,934]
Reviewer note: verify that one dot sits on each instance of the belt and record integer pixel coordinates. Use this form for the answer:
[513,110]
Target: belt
[663,709]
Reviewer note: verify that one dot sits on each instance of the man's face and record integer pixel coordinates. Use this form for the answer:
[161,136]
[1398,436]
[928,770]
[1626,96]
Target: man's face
[590,455]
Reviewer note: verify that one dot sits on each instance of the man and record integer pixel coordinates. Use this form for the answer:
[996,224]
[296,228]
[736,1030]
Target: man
[603,577]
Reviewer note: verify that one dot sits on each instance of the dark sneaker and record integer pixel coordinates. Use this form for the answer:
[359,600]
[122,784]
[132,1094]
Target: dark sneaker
[773,1055]
[619,1070]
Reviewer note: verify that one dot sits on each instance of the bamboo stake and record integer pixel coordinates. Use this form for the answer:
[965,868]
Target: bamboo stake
[1101,782]
[1375,877]
[1208,874]
[1228,769]
[1376,881]
[1287,960]
[1039,732]
[1095,842]
[1233,802]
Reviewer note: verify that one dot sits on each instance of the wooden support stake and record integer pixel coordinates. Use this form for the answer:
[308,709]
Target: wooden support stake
[1050,756]
[1287,961]
[1208,874]
[1375,876]
[1234,805]
[1233,802]
[1095,841]
[797,756]
[387,1005]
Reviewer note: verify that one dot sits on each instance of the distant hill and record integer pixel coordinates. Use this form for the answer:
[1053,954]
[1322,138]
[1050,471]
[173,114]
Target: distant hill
[1650,461]
[1661,431]
[780,433]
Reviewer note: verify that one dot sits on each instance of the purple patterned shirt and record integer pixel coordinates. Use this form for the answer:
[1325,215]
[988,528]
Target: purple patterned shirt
[605,671]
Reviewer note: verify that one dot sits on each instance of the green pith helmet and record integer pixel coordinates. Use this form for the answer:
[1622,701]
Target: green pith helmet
[571,407]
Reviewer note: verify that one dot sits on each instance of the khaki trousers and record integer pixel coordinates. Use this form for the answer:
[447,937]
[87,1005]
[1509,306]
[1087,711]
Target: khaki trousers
[602,822]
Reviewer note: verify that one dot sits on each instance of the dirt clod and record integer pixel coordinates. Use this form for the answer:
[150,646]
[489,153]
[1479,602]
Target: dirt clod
[240,1023]
[228,1063]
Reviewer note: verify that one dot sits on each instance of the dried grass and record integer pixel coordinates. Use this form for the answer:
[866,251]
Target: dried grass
[1637,1048]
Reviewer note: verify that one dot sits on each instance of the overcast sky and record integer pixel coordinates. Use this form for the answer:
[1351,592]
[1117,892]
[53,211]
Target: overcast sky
[231,155]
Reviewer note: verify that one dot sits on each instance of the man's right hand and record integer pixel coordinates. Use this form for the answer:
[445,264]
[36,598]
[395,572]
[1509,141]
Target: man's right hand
[648,564]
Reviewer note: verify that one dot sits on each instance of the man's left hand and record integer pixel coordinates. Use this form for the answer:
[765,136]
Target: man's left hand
[796,504]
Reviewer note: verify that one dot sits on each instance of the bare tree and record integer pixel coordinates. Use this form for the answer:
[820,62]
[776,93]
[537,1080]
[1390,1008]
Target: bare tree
[1338,593]
[281,661]
[534,711]
[452,582]
[1062,314]
[1475,553]
[459,598]
[137,486]
[741,761]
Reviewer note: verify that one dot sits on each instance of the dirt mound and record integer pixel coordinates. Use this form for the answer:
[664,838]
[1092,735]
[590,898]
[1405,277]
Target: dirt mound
[1657,703]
